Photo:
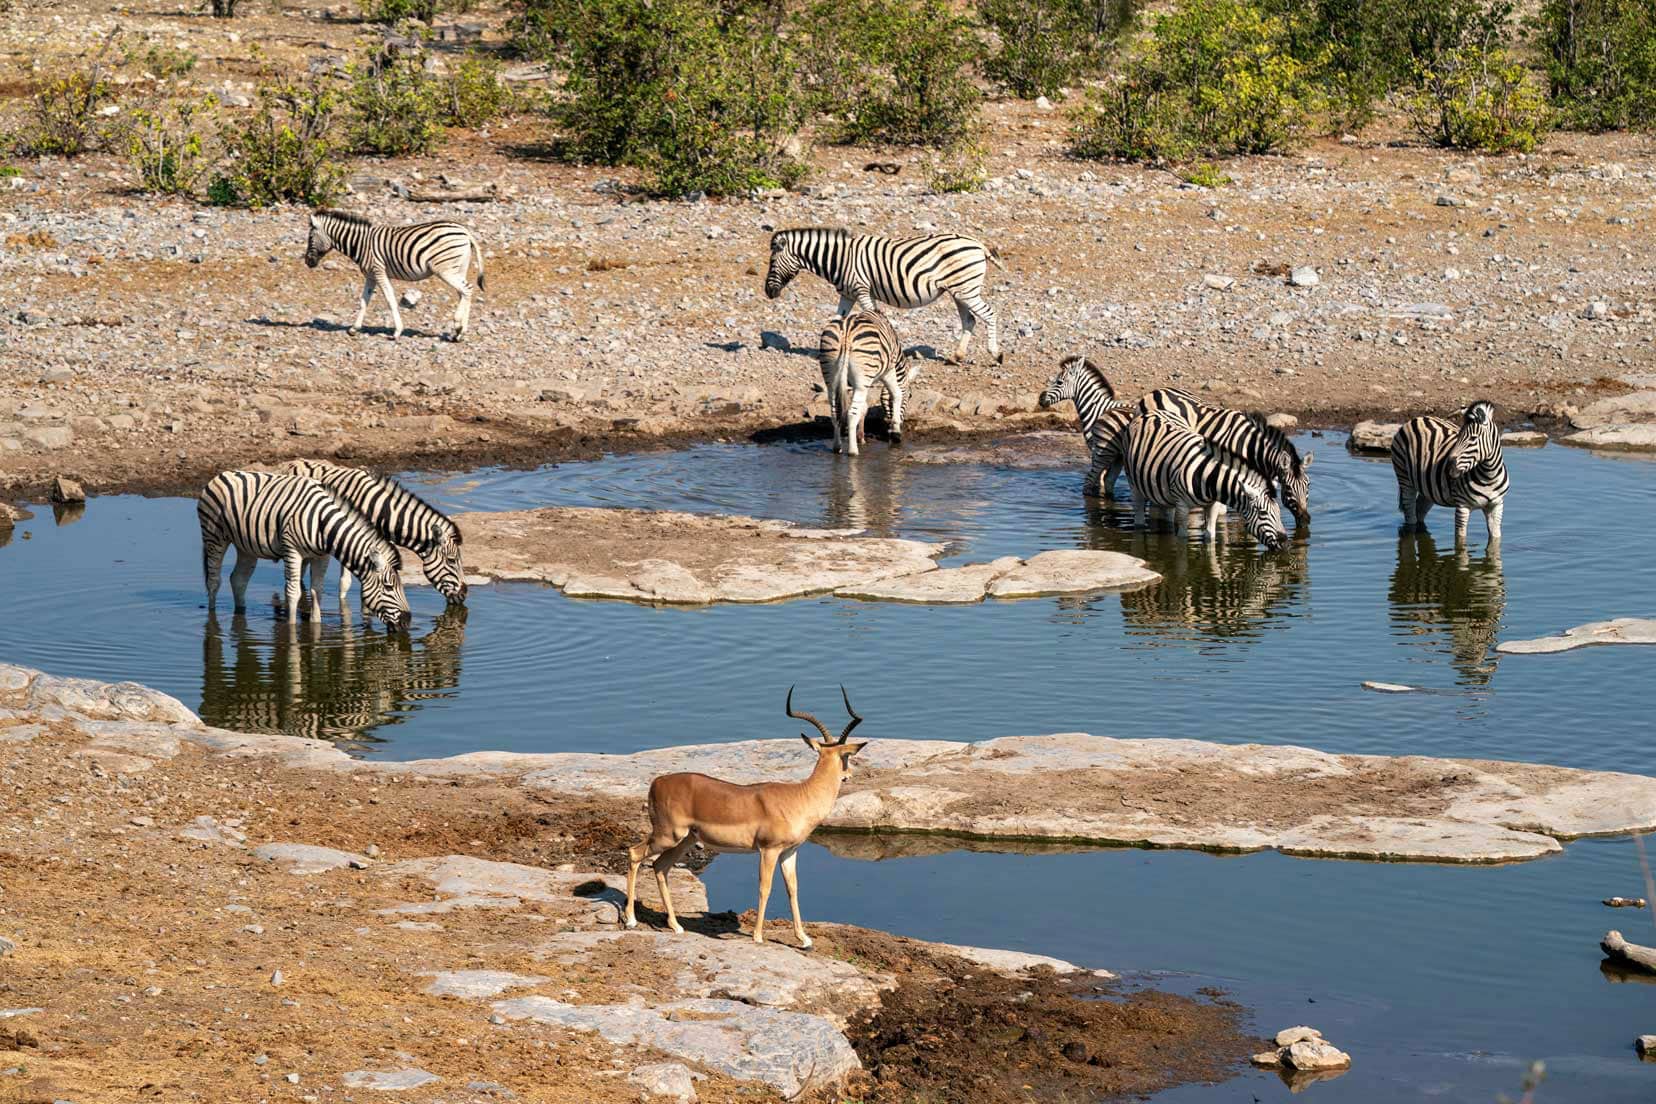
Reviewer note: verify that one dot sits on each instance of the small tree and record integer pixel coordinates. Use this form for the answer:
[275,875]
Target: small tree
[1044,44]
[284,153]
[1477,98]
[64,114]
[167,148]
[394,105]
[1601,61]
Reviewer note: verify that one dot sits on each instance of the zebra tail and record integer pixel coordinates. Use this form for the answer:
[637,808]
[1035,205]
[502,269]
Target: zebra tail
[477,249]
[993,255]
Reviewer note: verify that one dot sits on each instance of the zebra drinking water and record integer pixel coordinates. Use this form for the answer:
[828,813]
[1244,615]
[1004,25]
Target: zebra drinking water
[400,516]
[901,272]
[386,253]
[1171,466]
[1264,448]
[1440,463]
[1102,418]
[298,522]
[858,351]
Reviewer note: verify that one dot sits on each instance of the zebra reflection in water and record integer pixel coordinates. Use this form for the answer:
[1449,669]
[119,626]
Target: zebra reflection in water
[1217,592]
[867,495]
[335,681]
[1450,598]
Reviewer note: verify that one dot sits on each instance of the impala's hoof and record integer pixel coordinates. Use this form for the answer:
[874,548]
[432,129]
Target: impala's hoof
[628,922]
[804,942]
[678,929]
[353,331]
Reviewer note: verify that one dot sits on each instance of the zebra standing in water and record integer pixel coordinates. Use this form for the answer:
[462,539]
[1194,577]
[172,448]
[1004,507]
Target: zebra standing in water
[1440,463]
[298,522]
[400,516]
[1101,415]
[1171,466]
[858,351]
[901,272]
[385,253]
[1263,448]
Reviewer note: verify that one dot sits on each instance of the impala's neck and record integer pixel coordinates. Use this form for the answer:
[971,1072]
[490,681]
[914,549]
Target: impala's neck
[823,786]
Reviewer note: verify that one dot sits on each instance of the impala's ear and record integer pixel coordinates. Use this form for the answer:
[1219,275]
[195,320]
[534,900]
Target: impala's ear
[810,743]
[851,749]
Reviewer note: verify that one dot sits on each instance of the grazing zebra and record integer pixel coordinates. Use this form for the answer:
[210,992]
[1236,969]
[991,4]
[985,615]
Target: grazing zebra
[386,253]
[1171,466]
[1440,463]
[1265,449]
[859,350]
[901,272]
[401,517]
[299,522]
[1101,415]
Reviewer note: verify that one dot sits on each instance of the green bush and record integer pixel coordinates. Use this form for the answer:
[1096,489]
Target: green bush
[285,152]
[1045,45]
[1479,98]
[395,11]
[1205,175]
[1130,117]
[473,94]
[167,148]
[1601,61]
[960,167]
[160,60]
[394,104]
[63,114]
[894,70]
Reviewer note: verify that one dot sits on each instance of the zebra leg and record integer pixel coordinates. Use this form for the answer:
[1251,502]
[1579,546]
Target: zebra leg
[368,286]
[968,323]
[894,411]
[212,569]
[1110,475]
[1139,511]
[1181,521]
[845,304]
[390,294]
[1211,518]
[318,568]
[1095,483]
[293,568]
[462,313]
[1462,516]
[985,313]
[854,420]
[344,584]
[865,302]
[1492,518]
[240,576]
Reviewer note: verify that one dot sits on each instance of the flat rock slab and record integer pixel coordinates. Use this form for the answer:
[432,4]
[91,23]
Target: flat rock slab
[89,699]
[680,558]
[944,586]
[477,984]
[1015,962]
[1622,630]
[1640,406]
[671,1080]
[400,1080]
[1058,572]
[305,859]
[1523,438]
[1616,438]
[1373,436]
[586,900]
[790,1051]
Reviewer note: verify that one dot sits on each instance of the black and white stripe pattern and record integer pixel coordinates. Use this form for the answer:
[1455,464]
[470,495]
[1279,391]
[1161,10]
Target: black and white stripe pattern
[1170,466]
[901,272]
[1439,463]
[298,522]
[1101,416]
[386,253]
[402,517]
[857,352]
[1263,448]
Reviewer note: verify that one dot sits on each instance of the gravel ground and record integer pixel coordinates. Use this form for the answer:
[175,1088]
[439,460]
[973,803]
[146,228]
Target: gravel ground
[146,343]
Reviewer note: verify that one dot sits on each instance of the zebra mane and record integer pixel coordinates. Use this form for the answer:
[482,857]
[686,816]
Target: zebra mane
[359,520]
[338,215]
[835,231]
[392,484]
[1098,374]
[1277,438]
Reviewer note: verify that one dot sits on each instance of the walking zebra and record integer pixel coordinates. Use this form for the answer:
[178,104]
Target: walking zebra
[901,272]
[400,516]
[386,253]
[1440,463]
[858,351]
[298,522]
[1264,448]
[1102,418]
[1171,466]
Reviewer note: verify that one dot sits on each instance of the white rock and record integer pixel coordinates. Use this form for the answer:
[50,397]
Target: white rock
[1285,422]
[1217,282]
[1043,104]
[1596,311]
[399,1080]
[303,859]
[1315,1054]
[671,1080]
[411,297]
[477,984]
[1621,630]
[1389,688]
[1304,276]
[1374,436]
[1288,1036]
[969,583]
[1639,406]
[1073,571]
[1615,438]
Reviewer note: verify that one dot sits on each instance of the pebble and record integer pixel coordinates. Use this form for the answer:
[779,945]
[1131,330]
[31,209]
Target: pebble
[1304,276]
[276,978]
[1596,311]
[65,489]
[411,297]
[1217,282]
[1625,902]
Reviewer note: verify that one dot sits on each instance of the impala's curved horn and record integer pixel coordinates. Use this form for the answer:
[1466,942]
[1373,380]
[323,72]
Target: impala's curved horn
[827,737]
[855,718]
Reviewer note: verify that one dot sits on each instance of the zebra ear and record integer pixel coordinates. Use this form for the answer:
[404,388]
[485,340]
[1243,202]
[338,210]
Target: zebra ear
[315,220]
[1305,461]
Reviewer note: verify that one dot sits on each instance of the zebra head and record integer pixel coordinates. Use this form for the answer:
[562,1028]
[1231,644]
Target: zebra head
[1479,439]
[1260,514]
[785,263]
[1066,385]
[442,565]
[1296,486]
[382,590]
[319,244]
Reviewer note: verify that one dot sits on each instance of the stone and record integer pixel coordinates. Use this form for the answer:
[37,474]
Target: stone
[942,586]
[1267,1059]
[1523,438]
[1288,1036]
[1621,630]
[1304,276]
[399,1080]
[1646,1046]
[1043,104]
[20,734]
[672,1080]
[1371,436]
[1073,571]
[792,1052]
[1316,1054]
[65,489]
[1446,200]
[1215,282]
[6,947]
[1615,438]
[586,899]
[1596,311]
[305,859]
[1390,688]
[1637,406]
[477,984]
[1287,423]
[1422,312]
[1012,963]
[50,437]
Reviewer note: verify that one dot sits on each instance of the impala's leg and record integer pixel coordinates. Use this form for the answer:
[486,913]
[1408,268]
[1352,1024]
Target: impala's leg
[1492,518]
[368,286]
[240,575]
[767,870]
[790,878]
[390,294]
[664,862]
[636,856]
[1462,516]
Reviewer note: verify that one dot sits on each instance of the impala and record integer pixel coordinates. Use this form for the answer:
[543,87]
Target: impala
[772,818]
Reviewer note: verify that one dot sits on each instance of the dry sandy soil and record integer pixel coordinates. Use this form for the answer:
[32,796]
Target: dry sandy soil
[147,343]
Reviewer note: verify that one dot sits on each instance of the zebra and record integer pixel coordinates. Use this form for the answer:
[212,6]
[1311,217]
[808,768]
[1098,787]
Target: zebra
[1264,448]
[1101,415]
[1440,463]
[859,350]
[401,517]
[901,272]
[298,521]
[384,253]
[1171,466]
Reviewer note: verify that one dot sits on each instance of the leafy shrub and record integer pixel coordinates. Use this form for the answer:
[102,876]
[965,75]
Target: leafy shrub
[473,94]
[1044,44]
[285,152]
[1131,117]
[167,148]
[1478,98]
[894,70]
[161,61]
[1205,175]
[395,11]
[394,105]
[959,167]
[64,114]
[1601,61]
